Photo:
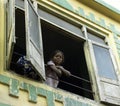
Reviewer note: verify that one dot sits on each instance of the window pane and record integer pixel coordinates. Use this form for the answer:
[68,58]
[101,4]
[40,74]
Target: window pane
[34,28]
[61,23]
[19,3]
[96,38]
[104,62]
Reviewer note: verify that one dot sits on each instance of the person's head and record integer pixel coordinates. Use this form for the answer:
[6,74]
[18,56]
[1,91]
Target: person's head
[57,57]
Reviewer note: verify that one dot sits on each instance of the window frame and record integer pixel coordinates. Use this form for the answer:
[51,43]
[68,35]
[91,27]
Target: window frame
[10,30]
[101,88]
[44,16]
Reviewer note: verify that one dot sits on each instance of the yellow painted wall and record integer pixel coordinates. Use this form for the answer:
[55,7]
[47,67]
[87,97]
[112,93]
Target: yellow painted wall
[22,100]
[88,10]
[2,34]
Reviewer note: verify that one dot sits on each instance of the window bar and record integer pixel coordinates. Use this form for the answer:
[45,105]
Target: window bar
[73,85]
[77,77]
[18,54]
[22,37]
[65,81]
[80,78]
[77,87]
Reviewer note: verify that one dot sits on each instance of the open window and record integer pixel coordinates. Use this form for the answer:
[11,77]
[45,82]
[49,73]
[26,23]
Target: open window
[55,38]
[28,40]
[19,48]
[104,68]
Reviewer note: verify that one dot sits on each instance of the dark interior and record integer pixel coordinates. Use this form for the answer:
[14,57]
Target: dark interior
[55,38]
[20,45]
[19,49]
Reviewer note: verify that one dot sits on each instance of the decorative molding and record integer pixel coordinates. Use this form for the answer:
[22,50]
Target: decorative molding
[33,92]
[3,104]
[64,4]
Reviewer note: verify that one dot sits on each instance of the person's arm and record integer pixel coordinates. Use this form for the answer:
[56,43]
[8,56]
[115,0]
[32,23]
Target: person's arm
[58,71]
[64,71]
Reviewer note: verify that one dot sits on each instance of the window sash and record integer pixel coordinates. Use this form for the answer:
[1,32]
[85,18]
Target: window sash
[75,30]
[104,62]
[20,4]
[104,85]
[34,39]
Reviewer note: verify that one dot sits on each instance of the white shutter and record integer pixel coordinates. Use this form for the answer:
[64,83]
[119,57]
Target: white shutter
[105,73]
[10,29]
[34,39]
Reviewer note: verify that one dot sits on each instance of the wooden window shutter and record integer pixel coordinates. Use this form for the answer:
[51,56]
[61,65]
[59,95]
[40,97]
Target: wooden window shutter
[105,72]
[34,39]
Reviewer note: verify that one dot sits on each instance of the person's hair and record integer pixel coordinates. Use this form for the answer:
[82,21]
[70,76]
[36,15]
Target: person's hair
[55,52]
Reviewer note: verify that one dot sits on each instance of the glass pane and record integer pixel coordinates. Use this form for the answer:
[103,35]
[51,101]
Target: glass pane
[34,26]
[19,3]
[96,38]
[61,23]
[104,62]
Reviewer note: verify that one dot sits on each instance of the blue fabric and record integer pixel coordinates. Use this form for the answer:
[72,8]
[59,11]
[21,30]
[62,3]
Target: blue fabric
[23,62]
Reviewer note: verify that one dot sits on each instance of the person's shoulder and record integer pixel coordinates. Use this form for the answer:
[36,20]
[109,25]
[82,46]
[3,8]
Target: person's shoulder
[50,62]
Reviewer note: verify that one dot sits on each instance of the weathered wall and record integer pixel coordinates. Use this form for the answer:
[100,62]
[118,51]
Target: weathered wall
[2,33]
[24,92]
[18,91]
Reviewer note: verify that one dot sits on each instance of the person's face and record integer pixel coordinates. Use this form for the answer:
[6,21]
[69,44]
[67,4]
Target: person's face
[58,58]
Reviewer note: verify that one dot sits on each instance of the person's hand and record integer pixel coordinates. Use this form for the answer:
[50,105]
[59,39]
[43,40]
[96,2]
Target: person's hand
[59,67]
[67,73]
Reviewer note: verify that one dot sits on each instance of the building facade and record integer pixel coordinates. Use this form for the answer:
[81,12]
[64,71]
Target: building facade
[88,34]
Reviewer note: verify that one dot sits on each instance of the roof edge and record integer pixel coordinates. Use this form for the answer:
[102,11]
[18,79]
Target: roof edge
[108,6]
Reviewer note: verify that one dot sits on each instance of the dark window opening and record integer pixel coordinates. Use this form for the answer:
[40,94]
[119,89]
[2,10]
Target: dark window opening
[20,45]
[55,38]
[19,50]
